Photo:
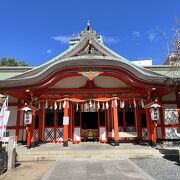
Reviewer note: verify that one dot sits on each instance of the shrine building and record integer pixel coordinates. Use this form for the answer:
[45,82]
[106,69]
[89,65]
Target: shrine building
[90,93]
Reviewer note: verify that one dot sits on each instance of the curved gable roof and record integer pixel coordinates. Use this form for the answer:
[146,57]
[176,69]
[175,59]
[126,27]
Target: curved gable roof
[87,52]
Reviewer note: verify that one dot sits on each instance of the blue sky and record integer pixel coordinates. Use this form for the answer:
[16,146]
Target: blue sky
[37,30]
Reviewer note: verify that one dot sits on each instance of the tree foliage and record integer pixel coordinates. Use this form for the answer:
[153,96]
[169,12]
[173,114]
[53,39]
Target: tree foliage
[11,62]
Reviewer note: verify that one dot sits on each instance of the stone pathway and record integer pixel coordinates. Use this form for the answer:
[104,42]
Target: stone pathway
[95,169]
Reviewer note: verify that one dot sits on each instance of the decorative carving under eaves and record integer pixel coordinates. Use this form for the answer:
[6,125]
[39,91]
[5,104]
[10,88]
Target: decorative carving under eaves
[90,50]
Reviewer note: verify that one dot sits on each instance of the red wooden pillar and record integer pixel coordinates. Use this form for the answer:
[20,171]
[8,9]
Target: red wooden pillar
[153,130]
[30,131]
[106,124]
[148,119]
[116,129]
[66,117]
[32,127]
[28,141]
[151,126]
[41,121]
[138,124]
[18,120]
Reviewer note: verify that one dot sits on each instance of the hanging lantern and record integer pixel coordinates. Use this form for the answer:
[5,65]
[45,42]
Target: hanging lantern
[77,107]
[107,105]
[98,105]
[94,105]
[55,105]
[64,105]
[46,105]
[60,105]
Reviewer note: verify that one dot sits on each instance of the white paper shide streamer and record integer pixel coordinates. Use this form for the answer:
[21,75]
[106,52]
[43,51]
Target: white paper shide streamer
[77,107]
[98,105]
[55,105]
[46,105]
[64,105]
[107,105]
[142,103]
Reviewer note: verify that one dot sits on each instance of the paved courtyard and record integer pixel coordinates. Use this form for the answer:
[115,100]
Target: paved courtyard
[95,169]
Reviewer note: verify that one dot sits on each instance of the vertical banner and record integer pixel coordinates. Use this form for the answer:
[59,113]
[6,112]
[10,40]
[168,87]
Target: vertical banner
[4,116]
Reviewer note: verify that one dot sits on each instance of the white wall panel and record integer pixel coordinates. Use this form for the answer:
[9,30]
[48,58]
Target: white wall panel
[12,99]
[169,97]
[102,134]
[13,116]
[77,134]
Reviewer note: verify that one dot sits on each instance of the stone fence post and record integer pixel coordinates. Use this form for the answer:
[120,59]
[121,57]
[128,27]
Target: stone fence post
[11,149]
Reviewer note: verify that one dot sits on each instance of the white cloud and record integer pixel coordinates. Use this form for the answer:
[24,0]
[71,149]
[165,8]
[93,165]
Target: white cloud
[151,36]
[110,39]
[137,34]
[63,39]
[49,51]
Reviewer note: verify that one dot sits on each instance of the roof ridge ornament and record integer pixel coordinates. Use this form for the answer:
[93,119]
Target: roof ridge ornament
[88,25]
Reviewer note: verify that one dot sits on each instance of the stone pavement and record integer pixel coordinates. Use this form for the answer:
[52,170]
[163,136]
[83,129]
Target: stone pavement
[116,169]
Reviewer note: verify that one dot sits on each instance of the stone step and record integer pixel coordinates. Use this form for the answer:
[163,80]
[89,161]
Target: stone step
[109,154]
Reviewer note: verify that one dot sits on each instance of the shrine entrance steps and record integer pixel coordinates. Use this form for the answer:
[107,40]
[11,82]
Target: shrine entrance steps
[52,151]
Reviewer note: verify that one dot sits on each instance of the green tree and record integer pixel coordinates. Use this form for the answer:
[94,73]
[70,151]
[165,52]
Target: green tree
[22,63]
[11,62]
[3,61]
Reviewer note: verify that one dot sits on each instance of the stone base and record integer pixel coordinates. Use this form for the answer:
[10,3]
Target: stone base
[151,143]
[65,144]
[116,143]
